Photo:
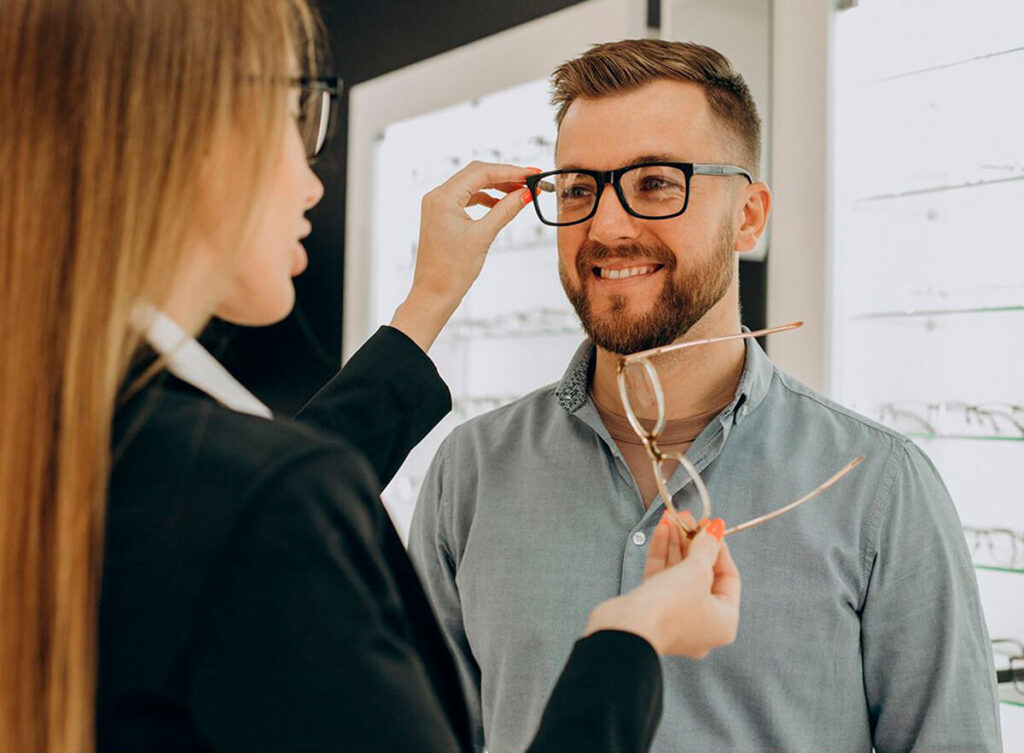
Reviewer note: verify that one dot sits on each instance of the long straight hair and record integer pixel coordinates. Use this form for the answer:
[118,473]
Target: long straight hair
[110,110]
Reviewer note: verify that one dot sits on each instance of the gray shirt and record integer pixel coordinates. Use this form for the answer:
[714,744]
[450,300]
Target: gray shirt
[860,621]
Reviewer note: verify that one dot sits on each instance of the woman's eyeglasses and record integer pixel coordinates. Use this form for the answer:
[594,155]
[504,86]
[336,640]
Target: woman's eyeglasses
[642,395]
[318,110]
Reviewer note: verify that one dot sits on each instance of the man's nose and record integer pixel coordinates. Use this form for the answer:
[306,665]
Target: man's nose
[611,222]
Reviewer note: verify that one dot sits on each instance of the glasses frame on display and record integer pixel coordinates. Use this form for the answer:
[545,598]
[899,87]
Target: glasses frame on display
[658,457]
[932,419]
[539,182]
[1014,674]
[990,536]
[329,89]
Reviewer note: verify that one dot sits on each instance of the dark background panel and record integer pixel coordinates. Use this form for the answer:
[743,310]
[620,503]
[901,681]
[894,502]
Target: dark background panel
[285,364]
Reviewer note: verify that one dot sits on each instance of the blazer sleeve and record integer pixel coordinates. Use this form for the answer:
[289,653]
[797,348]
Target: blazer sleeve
[301,640]
[608,697]
[384,401]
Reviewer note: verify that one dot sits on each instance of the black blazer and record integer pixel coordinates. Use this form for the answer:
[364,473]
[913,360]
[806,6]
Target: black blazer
[256,596]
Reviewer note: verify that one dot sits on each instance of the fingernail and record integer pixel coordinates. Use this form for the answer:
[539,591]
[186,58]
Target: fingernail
[663,522]
[688,517]
[527,196]
[703,522]
[535,169]
[717,528]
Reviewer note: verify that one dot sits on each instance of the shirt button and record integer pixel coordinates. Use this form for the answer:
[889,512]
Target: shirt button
[639,538]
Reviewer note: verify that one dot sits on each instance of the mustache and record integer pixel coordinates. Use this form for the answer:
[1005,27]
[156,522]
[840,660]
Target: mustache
[591,252]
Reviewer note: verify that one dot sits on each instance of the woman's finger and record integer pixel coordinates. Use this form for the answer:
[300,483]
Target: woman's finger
[504,212]
[483,199]
[675,545]
[507,187]
[657,551]
[479,175]
[727,577]
[704,549]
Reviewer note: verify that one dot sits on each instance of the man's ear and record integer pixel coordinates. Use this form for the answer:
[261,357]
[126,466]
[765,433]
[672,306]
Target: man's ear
[753,215]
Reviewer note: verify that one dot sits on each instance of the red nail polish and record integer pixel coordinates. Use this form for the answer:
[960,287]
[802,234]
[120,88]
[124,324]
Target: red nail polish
[535,169]
[527,196]
[717,528]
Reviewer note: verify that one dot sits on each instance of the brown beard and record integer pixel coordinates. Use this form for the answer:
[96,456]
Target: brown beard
[684,299]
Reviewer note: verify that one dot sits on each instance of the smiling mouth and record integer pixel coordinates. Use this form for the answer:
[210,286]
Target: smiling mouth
[623,273]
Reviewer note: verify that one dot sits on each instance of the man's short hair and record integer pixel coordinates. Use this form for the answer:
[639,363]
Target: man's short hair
[618,67]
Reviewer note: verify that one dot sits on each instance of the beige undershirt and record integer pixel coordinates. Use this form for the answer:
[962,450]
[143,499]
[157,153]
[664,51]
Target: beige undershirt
[677,437]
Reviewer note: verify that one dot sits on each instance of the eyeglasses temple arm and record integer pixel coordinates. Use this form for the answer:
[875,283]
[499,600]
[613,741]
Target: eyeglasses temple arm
[783,510]
[639,356]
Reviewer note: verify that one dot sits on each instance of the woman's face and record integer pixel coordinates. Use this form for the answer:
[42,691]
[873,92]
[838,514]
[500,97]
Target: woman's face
[262,291]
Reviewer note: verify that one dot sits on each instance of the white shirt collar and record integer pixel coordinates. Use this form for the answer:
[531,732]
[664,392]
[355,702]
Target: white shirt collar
[192,363]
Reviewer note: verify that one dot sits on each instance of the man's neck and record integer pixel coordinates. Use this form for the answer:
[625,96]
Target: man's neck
[694,380]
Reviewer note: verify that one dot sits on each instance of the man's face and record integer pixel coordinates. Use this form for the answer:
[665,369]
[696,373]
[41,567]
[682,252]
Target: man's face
[678,268]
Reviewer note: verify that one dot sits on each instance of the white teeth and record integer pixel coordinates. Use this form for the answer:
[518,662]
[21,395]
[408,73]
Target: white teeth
[619,274]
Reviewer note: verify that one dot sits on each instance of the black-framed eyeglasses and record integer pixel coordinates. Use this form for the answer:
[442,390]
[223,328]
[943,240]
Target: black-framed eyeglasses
[318,111]
[650,190]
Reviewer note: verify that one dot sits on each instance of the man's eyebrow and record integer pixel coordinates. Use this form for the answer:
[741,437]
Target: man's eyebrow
[641,160]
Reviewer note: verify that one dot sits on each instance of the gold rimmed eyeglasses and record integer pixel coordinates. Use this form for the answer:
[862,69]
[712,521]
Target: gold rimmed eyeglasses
[642,395]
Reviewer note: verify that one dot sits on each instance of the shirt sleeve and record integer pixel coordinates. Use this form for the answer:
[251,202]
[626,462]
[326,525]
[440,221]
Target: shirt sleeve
[430,537]
[928,670]
[302,642]
[385,399]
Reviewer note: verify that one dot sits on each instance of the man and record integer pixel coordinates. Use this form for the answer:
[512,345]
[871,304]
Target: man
[861,624]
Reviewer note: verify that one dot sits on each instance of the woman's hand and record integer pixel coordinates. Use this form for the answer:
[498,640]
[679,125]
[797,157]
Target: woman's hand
[689,601]
[452,246]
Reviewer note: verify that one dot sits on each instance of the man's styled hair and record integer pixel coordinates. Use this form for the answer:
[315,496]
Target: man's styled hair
[618,67]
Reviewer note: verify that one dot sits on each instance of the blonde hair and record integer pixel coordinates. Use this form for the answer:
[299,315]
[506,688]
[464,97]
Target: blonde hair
[618,67]
[110,110]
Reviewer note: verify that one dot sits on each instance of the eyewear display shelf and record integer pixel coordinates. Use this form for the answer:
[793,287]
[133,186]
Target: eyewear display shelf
[1009,696]
[927,291]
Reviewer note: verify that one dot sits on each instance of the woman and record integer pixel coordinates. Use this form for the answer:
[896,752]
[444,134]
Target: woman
[253,593]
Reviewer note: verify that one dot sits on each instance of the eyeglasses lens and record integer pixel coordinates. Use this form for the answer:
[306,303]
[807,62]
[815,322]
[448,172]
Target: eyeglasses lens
[565,198]
[655,190]
[314,120]
[641,396]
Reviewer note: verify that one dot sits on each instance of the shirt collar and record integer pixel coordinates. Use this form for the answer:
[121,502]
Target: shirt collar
[573,391]
[192,363]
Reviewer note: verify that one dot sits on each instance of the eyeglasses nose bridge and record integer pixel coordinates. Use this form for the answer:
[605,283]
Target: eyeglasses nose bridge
[610,178]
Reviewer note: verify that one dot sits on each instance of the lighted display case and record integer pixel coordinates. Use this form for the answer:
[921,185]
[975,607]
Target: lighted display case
[927,282]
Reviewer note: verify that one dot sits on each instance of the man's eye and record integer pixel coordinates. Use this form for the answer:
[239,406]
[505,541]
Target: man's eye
[575,192]
[655,184]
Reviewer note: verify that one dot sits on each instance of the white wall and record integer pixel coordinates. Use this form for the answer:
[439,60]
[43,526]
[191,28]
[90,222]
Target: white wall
[797,262]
